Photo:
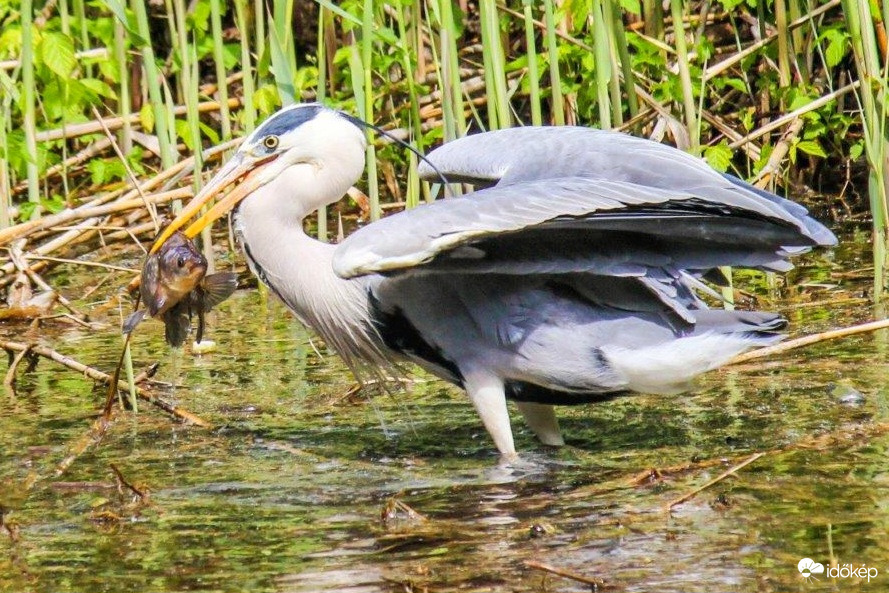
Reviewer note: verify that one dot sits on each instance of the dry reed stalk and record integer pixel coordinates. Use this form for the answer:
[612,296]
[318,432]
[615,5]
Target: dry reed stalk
[82,156]
[790,117]
[115,123]
[720,67]
[21,230]
[99,52]
[781,150]
[808,340]
[152,210]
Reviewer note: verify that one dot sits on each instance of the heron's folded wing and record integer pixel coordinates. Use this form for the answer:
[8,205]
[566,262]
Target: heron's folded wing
[579,224]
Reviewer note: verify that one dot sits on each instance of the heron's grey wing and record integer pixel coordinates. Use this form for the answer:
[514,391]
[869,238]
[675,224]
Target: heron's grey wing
[517,155]
[558,225]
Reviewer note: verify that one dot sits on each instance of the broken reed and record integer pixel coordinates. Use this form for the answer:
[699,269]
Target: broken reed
[425,70]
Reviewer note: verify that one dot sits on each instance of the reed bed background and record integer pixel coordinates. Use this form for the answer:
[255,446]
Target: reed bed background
[109,107]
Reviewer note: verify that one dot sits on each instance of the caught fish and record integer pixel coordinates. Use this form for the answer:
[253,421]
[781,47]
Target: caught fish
[175,287]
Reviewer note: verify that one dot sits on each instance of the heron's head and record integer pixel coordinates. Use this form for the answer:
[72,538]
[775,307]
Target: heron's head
[324,147]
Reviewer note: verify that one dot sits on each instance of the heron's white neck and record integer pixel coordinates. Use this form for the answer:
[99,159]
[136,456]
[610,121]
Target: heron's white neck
[298,268]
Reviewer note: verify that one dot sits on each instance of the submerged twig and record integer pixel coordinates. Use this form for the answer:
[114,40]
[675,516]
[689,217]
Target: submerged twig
[104,378]
[568,574]
[9,379]
[122,481]
[732,470]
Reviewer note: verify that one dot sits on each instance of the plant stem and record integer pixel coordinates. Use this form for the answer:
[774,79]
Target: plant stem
[688,98]
[28,98]
[555,79]
[218,59]
[246,65]
[533,75]
[321,94]
[367,32]
[152,77]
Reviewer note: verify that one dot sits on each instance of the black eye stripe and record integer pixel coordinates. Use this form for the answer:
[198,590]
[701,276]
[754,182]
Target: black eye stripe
[288,120]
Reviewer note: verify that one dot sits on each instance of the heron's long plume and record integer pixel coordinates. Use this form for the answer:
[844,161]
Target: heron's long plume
[360,122]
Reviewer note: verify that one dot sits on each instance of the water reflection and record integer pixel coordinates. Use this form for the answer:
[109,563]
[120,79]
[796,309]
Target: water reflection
[286,492]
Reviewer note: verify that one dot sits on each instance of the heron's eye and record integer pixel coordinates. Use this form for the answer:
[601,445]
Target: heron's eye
[270,142]
[181,261]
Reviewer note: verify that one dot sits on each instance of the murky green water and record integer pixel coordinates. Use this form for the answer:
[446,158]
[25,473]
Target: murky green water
[286,492]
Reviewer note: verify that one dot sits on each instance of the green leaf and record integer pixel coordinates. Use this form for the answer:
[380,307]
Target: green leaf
[632,6]
[98,87]
[836,50]
[146,117]
[11,41]
[800,100]
[209,132]
[57,52]
[719,156]
[736,83]
[117,7]
[339,11]
[55,204]
[120,12]
[856,150]
[811,147]
[26,210]
[231,55]
[266,99]
[7,85]
[183,130]
[98,169]
[281,68]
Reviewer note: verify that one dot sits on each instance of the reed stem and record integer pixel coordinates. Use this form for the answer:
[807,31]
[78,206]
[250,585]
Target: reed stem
[28,99]
[688,99]
[555,78]
[533,75]
[152,79]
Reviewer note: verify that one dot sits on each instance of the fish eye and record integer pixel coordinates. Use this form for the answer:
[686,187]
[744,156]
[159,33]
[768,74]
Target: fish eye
[270,142]
[181,261]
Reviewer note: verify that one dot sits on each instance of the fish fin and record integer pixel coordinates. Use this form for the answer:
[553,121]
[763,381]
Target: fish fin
[176,326]
[134,319]
[199,336]
[157,306]
[217,288]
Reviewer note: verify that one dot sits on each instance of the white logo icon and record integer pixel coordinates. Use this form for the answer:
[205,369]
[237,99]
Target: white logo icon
[809,568]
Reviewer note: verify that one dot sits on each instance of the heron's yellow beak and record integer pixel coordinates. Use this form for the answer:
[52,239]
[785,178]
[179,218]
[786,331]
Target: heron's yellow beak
[239,167]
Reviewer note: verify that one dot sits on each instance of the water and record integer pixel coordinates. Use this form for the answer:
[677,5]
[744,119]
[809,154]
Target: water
[288,490]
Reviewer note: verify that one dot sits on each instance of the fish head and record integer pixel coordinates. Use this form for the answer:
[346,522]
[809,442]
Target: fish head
[181,269]
[171,273]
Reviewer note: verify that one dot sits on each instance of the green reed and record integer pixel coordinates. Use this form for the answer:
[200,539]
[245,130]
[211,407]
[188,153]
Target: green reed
[555,77]
[152,80]
[367,35]
[29,101]
[533,75]
[873,95]
[688,99]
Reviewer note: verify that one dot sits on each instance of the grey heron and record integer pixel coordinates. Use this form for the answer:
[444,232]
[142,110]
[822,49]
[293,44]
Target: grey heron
[570,274]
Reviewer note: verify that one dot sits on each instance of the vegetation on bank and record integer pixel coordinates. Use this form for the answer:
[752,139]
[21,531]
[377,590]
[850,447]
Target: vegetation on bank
[783,92]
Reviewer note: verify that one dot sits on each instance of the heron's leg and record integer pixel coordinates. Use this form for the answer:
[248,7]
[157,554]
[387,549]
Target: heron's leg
[489,399]
[541,419]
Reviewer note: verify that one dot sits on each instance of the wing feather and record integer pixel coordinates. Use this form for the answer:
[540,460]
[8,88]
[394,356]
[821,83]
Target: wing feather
[573,224]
